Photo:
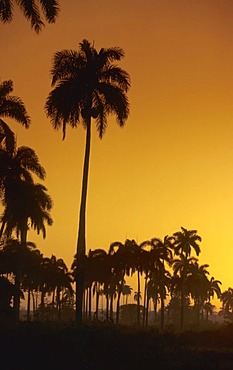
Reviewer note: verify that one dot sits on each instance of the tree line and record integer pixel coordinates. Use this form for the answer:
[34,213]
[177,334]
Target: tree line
[176,289]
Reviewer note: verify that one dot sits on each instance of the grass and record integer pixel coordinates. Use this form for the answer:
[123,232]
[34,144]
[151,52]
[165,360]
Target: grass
[100,347]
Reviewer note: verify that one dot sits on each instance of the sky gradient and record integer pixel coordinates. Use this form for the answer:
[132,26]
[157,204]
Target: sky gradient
[172,163]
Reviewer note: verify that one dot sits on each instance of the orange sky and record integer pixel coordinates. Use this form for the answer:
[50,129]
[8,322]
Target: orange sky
[172,164]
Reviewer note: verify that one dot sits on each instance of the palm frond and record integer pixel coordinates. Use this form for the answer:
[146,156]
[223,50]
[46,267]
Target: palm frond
[7,137]
[116,102]
[32,13]
[28,158]
[65,65]
[6,87]
[6,10]
[116,75]
[50,9]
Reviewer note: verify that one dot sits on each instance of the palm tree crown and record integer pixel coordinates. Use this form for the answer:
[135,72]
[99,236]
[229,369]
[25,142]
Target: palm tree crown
[185,240]
[31,11]
[87,85]
[12,107]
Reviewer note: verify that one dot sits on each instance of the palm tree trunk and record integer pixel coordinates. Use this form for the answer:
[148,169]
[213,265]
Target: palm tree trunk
[155,299]
[28,305]
[2,229]
[18,273]
[81,244]
[162,308]
[90,291]
[138,300]
[145,300]
[111,306]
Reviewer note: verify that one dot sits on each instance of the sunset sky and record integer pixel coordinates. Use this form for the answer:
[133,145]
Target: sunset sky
[172,163]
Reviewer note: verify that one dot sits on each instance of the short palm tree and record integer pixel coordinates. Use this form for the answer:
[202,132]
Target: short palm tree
[87,85]
[31,11]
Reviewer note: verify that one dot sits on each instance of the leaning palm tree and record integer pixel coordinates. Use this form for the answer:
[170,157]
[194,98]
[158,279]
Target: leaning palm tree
[31,11]
[87,85]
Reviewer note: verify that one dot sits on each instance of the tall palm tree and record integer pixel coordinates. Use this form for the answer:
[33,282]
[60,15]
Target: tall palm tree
[31,10]
[87,85]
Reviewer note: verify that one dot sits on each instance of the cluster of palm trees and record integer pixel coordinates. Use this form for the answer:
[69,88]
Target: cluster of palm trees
[26,204]
[169,271]
[39,276]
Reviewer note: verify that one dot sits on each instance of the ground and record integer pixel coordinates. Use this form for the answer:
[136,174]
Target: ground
[101,347]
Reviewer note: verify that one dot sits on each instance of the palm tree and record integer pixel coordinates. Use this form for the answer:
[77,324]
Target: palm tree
[87,85]
[28,206]
[227,300]
[184,242]
[161,252]
[181,268]
[17,164]
[126,291]
[31,11]
[198,285]
[214,288]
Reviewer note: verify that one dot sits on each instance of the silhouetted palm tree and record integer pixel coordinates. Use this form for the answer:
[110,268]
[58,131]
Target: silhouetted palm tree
[198,283]
[161,252]
[126,291]
[121,264]
[181,266]
[31,11]
[28,206]
[227,301]
[16,259]
[184,242]
[17,164]
[87,85]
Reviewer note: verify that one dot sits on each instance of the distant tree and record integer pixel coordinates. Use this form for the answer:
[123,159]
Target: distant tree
[126,291]
[31,10]
[227,301]
[87,85]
